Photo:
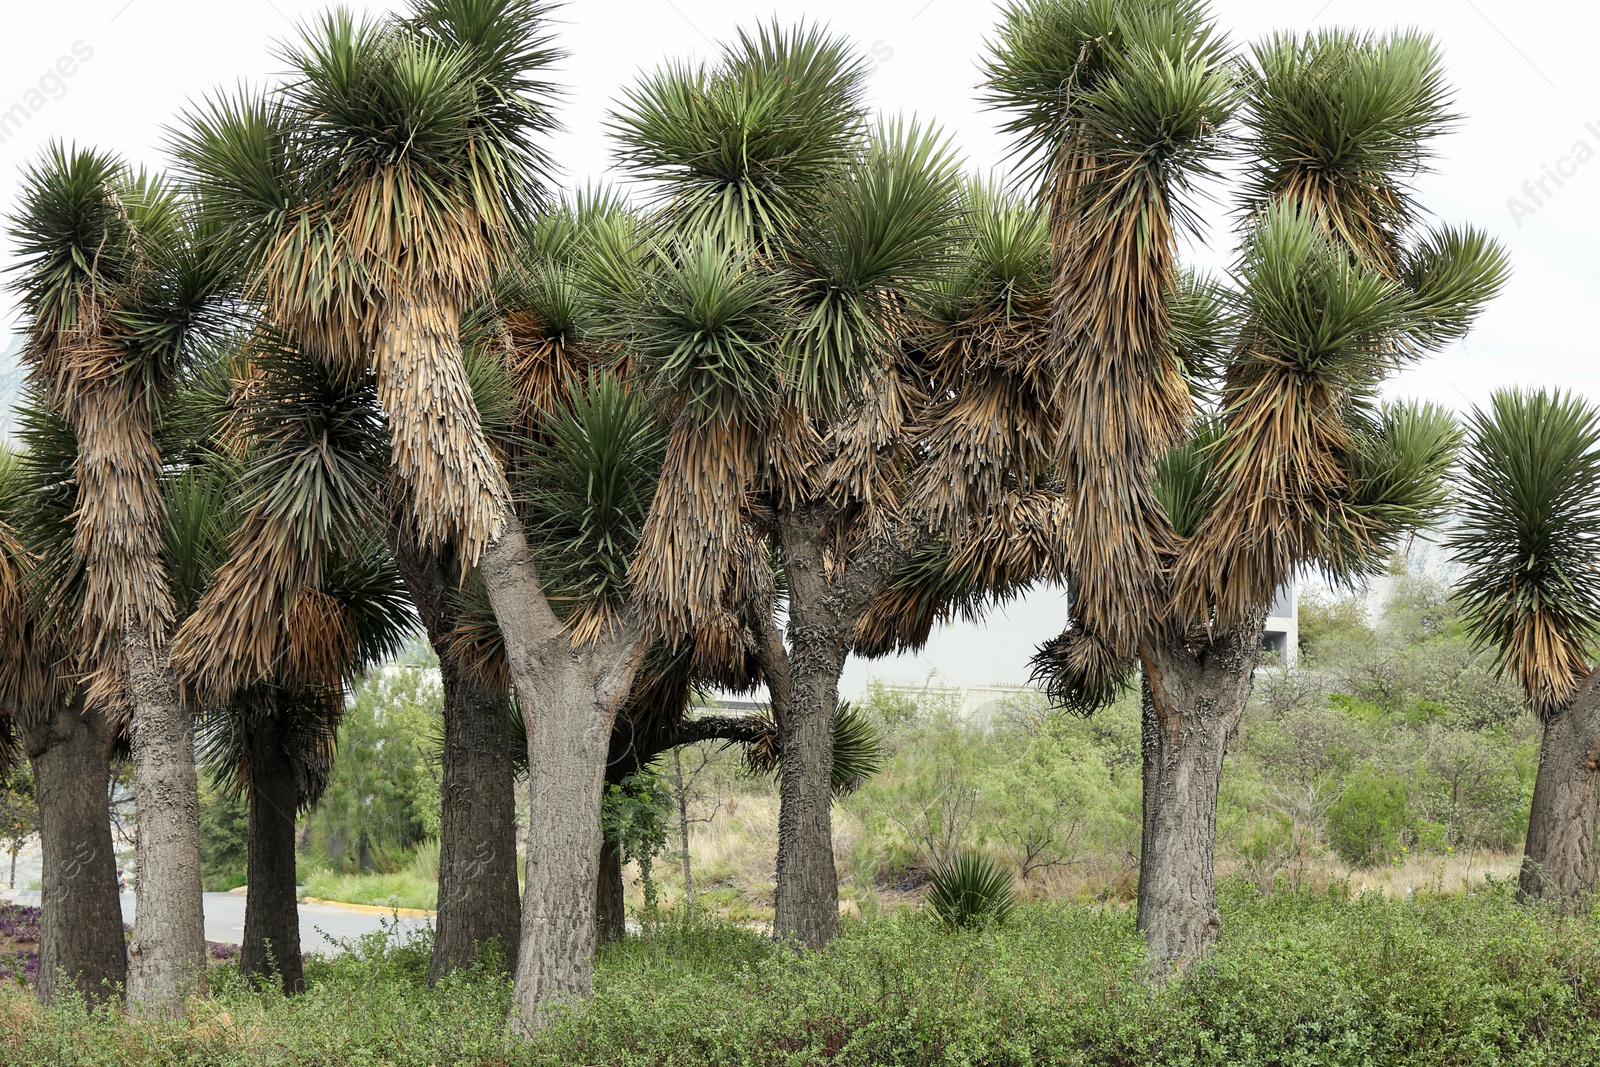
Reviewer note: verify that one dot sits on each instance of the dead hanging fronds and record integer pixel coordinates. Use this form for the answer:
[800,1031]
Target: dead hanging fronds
[695,530]
[35,674]
[104,250]
[1081,672]
[369,209]
[1117,109]
[1317,328]
[236,635]
[869,446]
[310,436]
[321,639]
[1122,400]
[455,483]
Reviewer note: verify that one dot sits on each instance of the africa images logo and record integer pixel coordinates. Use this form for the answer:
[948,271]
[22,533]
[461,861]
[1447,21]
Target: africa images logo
[1537,191]
[51,85]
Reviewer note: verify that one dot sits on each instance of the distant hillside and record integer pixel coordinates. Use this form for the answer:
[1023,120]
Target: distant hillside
[10,382]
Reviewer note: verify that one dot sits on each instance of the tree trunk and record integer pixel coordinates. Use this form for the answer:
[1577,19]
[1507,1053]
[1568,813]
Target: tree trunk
[478,825]
[1559,860]
[569,710]
[80,930]
[1192,703]
[807,901]
[610,911]
[806,906]
[271,910]
[167,956]
[683,830]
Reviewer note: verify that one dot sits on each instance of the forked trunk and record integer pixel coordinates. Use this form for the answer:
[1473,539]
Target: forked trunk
[271,910]
[477,829]
[80,931]
[1559,860]
[569,712]
[458,493]
[610,913]
[1192,703]
[167,956]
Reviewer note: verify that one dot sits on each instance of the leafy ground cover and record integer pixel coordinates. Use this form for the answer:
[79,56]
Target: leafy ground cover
[1299,978]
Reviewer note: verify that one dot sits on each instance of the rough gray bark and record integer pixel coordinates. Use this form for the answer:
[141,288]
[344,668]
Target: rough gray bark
[825,603]
[569,711]
[271,943]
[1193,698]
[80,931]
[569,699]
[477,830]
[1559,859]
[806,906]
[611,917]
[167,956]
[478,827]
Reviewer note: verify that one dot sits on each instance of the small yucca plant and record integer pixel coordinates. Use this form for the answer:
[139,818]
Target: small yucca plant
[970,889]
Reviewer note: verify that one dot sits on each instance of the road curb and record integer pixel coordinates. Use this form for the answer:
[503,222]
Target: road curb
[373,909]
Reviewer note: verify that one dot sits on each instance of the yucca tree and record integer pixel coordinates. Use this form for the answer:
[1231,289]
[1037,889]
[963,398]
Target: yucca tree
[316,479]
[1529,536]
[315,495]
[314,490]
[115,281]
[789,233]
[1116,110]
[276,744]
[274,741]
[68,742]
[373,195]
[1281,457]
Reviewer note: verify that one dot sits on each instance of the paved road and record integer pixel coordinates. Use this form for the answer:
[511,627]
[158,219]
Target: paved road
[320,924]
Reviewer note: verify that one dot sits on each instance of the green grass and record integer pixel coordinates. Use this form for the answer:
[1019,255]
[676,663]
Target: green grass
[402,889]
[1301,979]
[416,885]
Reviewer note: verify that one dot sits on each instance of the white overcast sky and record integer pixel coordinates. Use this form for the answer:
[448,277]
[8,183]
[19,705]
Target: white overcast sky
[1526,79]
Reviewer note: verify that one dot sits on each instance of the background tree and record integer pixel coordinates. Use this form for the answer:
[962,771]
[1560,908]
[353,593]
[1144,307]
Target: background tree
[275,739]
[1529,534]
[19,803]
[276,744]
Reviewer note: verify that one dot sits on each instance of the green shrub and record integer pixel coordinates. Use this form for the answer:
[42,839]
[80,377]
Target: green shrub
[1369,820]
[1303,979]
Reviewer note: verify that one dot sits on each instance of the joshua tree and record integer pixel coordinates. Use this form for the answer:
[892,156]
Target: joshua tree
[1248,441]
[275,742]
[1529,538]
[373,196]
[790,236]
[114,280]
[68,742]
[277,746]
